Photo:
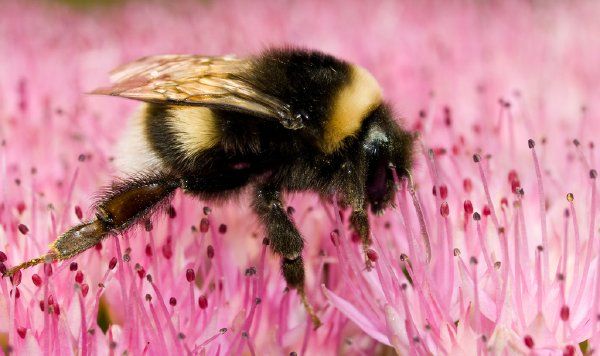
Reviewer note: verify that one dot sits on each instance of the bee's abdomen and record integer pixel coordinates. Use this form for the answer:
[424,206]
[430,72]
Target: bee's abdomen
[180,134]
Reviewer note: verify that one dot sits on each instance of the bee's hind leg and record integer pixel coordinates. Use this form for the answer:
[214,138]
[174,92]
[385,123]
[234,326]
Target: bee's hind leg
[120,206]
[285,241]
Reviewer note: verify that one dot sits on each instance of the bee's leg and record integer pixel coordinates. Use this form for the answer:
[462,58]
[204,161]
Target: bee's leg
[354,193]
[359,220]
[284,239]
[122,205]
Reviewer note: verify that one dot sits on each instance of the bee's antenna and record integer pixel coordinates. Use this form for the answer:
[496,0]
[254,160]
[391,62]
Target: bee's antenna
[49,257]
[309,309]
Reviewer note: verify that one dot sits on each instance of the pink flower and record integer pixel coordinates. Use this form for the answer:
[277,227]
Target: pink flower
[486,251]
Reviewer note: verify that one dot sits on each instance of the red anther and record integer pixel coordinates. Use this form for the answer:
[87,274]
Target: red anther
[84,290]
[50,300]
[335,238]
[434,191]
[203,302]
[564,313]
[372,255]
[447,116]
[148,250]
[512,176]
[98,246]
[455,150]
[17,293]
[141,272]
[486,210]
[36,279]
[515,185]
[504,202]
[190,275]
[444,209]
[73,266]
[48,269]
[79,277]
[467,185]
[3,268]
[22,332]
[222,228]
[56,309]
[443,191]
[204,225]
[528,340]
[167,250]
[439,151]
[78,212]
[113,263]
[468,207]
[355,237]
[16,278]
[210,251]
[23,229]
[20,207]
[3,257]
[42,305]
[569,350]
[173,301]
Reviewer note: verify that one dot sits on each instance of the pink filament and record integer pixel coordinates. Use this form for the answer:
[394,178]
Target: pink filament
[487,194]
[589,247]
[84,340]
[539,280]
[538,174]
[167,317]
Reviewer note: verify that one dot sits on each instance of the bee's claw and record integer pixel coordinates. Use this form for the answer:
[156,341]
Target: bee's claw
[49,257]
[309,309]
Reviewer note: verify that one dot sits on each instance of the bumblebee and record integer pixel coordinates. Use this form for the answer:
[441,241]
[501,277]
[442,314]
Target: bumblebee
[286,120]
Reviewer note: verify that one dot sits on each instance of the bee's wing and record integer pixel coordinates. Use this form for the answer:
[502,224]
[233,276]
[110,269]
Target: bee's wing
[216,82]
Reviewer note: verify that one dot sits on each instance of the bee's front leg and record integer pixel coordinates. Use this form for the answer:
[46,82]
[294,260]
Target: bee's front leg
[284,239]
[353,191]
[359,220]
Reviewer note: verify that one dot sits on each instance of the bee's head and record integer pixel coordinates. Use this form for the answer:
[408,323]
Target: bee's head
[386,147]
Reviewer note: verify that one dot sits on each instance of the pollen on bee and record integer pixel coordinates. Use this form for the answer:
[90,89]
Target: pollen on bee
[194,128]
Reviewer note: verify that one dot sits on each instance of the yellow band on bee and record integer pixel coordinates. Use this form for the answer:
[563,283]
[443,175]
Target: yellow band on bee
[350,107]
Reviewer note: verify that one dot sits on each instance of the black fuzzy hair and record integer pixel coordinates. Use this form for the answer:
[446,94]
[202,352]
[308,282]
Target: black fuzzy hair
[307,80]
[165,186]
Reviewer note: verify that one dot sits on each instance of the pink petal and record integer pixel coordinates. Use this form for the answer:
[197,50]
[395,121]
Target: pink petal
[360,319]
